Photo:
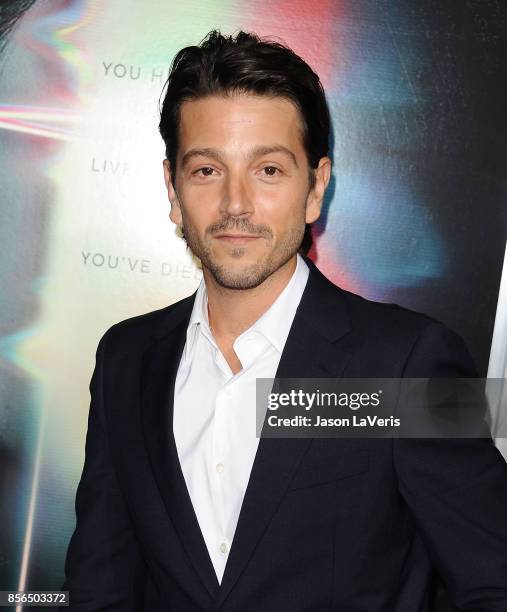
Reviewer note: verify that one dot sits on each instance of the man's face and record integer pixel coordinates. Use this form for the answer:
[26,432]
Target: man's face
[242,186]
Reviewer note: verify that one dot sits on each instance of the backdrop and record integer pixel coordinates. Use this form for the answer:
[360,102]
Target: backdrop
[415,213]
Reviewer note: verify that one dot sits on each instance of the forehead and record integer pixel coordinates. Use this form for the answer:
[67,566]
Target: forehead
[240,120]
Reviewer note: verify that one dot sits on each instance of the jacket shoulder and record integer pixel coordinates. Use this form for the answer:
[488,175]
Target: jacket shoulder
[149,325]
[364,317]
[397,335]
[388,318]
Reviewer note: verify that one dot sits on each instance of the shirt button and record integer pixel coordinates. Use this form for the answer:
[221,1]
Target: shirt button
[223,548]
[220,467]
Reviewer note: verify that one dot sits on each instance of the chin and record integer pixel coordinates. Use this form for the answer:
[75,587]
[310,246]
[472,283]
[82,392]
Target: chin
[239,276]
[233,274]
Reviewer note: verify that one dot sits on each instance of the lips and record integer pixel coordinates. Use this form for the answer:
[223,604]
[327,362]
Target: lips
[236,237]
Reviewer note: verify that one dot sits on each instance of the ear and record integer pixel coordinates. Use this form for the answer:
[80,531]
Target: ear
[316,196]
[175,214]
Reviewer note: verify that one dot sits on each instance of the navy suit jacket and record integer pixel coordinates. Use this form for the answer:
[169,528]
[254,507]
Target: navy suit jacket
[344,525]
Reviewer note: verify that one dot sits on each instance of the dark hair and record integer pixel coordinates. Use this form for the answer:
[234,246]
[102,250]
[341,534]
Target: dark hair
[245,63]
[10,13]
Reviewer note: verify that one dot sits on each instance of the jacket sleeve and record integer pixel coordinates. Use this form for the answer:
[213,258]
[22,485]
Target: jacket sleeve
[103,567]
[456,489]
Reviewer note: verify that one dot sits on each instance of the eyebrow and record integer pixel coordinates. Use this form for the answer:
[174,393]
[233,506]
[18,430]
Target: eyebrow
[255,152]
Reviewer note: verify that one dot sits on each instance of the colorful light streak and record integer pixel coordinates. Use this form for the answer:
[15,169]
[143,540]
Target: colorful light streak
[53,36]
[39,121]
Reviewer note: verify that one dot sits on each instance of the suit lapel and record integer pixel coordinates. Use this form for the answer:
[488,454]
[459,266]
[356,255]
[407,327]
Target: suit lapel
[308,353]
[160,366]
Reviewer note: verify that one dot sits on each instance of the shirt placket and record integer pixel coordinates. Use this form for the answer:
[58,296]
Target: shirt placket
[220,459]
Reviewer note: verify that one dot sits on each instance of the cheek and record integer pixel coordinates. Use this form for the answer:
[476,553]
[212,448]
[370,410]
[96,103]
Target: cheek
[283,211]
[199,205]
[195,222]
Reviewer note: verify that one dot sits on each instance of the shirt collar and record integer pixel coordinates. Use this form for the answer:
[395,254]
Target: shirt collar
[199,321]
[274,324]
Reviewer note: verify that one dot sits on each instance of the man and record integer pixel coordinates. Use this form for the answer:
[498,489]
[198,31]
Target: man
[180,507]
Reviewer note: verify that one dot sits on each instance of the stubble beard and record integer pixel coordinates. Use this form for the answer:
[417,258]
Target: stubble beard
[252,275]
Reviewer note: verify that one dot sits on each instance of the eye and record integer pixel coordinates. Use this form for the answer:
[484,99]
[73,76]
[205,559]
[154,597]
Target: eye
[205,171]
[271,170]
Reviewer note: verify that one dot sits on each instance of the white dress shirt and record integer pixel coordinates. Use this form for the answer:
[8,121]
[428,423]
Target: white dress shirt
[214,411]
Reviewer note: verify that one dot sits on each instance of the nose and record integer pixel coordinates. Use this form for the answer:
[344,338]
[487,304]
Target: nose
[237,198]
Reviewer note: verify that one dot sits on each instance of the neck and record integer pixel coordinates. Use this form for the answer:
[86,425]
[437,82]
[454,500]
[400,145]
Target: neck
[232,311]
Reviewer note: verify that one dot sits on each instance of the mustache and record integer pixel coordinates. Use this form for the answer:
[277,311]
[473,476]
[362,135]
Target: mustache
[241,226]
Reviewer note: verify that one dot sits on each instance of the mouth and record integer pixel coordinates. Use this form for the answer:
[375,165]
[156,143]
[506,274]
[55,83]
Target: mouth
[237,238]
